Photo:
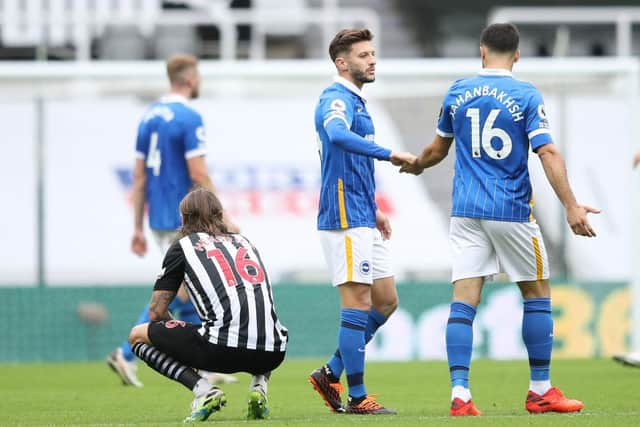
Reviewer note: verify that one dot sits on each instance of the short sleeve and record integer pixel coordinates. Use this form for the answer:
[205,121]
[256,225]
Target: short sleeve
[537,123]
[173,267]
[142,141]
[337,106]
[195,141]
[445,121]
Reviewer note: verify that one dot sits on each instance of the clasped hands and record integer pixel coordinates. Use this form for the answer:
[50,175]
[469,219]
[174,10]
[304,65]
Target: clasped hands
[408,162]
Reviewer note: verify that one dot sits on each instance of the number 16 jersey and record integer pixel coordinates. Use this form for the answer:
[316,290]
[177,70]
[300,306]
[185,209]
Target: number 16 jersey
[494,118]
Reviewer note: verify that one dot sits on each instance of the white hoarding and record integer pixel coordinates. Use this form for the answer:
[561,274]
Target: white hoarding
[264,161]
[18,220]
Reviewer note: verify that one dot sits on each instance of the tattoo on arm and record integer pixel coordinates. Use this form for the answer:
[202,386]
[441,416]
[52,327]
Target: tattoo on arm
[159,305]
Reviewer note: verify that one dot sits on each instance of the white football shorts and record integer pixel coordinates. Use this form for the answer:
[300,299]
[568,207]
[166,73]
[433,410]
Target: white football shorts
[355,255]
[483,248]
[164,239]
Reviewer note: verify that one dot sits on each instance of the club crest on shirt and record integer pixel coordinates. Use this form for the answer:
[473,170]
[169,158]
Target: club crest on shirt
[338,105]
[200,134]
[365,267]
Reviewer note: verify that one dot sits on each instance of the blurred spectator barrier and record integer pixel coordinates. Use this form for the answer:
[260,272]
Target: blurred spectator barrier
[591,320]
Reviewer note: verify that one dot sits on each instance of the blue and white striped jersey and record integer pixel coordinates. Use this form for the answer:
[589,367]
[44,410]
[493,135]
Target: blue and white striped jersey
[169,133]
[494,118]
[347,193]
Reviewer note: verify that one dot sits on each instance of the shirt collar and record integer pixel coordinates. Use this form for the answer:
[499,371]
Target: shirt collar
[174,97]
[495,72]
[353,88]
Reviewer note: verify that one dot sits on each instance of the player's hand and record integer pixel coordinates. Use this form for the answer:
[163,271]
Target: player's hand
[577,219]
[412,168]
[399,158]
[139,243]
[636,160]
[383,224]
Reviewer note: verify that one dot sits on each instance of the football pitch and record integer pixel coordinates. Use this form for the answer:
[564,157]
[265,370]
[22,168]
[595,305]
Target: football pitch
[82,394]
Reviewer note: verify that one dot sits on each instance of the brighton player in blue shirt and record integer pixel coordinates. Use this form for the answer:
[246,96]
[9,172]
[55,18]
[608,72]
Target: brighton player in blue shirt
[494,119]
[170,160]
[352,229]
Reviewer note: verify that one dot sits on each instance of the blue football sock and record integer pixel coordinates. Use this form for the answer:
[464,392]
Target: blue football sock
[537,334]
[126,347]
[459,337]
[351,344]
[374,321]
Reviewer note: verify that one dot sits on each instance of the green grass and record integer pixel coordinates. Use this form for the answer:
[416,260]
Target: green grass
[90,394]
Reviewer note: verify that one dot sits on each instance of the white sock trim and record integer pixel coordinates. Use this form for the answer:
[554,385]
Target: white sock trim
[259,382]
[201,388]
[461,393]
[540,387]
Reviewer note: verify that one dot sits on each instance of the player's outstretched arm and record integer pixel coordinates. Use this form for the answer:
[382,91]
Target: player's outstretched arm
[341,135]
[138,241]
[556,172]
[431,155]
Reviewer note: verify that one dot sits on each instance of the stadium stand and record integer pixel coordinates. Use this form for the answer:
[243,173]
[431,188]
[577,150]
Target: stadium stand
[133,29]
[234,29]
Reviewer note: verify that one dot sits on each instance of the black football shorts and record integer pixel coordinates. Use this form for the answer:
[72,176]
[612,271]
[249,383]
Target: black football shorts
[181,341]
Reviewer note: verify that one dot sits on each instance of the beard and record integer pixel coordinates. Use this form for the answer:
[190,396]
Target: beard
[361,76]
[195,93]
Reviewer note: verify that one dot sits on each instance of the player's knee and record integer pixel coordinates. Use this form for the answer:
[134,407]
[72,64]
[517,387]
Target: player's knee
[388,306]
[139,334]
[535,289]
[355,295]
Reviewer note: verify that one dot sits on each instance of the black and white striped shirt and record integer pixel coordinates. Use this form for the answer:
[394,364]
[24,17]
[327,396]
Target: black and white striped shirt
[229,288]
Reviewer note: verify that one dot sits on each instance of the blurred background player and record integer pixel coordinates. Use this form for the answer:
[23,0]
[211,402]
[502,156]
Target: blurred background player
[631,358]
[240,331]
[352,229]
[494,119]
[170,160]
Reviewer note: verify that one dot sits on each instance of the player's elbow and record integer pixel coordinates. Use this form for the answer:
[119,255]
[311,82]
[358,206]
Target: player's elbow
[337,132]
[336,137]
[551,159]
[139,182]
[139,333]
[155,316]
[548,152]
